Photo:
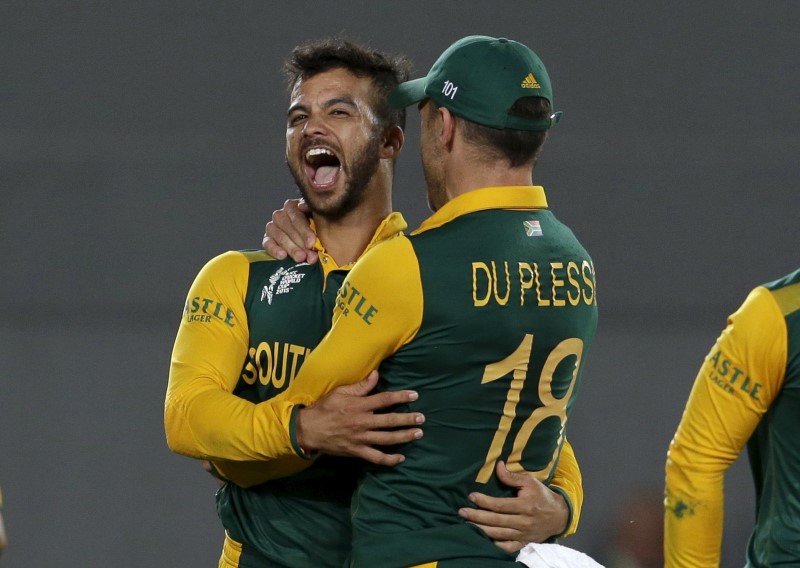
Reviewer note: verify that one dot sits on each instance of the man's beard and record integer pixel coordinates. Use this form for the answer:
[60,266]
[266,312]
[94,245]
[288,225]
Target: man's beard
[359,174]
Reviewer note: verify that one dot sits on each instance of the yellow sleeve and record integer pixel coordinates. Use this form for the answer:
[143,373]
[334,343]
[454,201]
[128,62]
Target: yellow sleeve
[738,381]
[378,310]
[568,481]
[202,418]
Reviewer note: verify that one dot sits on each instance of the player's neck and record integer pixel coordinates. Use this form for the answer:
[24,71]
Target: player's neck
[346,239]
[460,184]
[467,169]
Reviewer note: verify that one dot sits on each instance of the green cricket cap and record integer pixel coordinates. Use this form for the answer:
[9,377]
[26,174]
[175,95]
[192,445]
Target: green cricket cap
[479,78]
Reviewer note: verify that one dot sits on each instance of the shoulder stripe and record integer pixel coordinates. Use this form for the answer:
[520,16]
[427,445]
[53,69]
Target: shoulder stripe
[255,255]
[788,298]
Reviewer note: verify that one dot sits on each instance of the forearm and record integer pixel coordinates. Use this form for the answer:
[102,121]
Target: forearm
[694,507]
[208,423]
[564,511]
[568,483]
[354,347]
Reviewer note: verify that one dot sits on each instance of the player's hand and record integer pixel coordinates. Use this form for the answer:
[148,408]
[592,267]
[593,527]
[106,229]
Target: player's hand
[346,423]
[534,515]
[289,233]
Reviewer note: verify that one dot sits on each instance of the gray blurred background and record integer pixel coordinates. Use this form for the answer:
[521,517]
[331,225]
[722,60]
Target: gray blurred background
[138,139]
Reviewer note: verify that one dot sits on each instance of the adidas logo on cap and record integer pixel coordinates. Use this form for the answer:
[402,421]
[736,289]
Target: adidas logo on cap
[530,82]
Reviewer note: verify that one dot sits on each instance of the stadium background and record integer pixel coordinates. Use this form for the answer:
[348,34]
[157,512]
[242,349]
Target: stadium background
[138,139]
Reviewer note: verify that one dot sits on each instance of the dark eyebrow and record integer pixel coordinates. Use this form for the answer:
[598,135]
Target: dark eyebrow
[332,102]
[341,100]
[296,107]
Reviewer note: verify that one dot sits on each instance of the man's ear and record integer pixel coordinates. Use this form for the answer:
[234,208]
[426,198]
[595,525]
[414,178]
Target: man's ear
[448,127]
[393,139]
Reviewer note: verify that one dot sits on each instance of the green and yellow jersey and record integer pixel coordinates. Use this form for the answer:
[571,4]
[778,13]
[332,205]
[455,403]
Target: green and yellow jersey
[747,393]
[249,323]
[487,311]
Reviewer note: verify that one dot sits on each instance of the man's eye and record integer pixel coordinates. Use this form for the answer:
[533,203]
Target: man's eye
[297,118]
[339,112]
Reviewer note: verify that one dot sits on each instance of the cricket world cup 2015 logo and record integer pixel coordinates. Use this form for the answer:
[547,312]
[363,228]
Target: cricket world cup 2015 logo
[282,282]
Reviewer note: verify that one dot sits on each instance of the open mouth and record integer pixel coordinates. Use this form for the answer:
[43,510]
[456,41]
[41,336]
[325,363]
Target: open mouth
[322,167]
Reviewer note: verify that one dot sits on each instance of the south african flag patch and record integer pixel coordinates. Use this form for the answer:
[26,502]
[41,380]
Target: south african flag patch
[532,228]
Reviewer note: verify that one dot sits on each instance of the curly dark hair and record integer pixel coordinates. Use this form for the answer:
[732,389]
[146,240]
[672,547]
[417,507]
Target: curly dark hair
[386,71]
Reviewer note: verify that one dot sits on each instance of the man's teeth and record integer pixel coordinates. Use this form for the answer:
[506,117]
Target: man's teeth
[318,152]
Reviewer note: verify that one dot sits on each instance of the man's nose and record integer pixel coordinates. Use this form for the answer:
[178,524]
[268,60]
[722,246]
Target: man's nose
[315,126]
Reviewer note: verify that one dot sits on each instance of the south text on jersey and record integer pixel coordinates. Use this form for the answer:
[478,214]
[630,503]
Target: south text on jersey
[274,363]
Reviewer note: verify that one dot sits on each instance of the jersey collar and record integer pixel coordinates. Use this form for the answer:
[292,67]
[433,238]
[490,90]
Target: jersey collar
[501,197]
[391,226]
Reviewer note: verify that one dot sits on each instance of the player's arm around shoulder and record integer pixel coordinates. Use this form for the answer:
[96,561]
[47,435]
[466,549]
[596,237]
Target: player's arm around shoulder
[378,310]
[390,273]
